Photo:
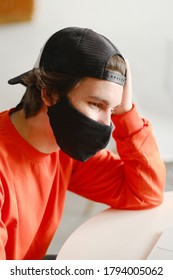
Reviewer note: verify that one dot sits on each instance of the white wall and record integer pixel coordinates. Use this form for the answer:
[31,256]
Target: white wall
[142,30]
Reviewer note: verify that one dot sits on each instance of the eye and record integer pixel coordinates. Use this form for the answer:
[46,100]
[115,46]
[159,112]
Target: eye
[95,105]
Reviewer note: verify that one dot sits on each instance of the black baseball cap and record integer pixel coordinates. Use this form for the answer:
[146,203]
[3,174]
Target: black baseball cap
[77,51]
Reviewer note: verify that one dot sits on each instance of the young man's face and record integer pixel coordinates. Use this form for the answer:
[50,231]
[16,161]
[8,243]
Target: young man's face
[96,98]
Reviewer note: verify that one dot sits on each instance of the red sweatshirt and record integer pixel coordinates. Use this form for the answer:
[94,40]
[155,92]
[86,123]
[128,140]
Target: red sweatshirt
[33,185]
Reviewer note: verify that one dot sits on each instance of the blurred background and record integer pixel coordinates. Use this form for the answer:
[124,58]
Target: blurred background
[142,30]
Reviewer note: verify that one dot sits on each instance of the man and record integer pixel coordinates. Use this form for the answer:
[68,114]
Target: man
[78,92]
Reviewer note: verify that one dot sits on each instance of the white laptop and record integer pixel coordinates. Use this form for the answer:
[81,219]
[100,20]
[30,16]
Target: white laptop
[163,249]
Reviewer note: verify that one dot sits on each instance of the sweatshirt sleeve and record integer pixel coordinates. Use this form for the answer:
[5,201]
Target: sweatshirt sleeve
[3,231]
[133,179]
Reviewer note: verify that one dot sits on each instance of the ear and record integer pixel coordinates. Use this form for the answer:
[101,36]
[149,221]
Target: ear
[48,98]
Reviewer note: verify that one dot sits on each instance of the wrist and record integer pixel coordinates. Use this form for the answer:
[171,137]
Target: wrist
[123,109]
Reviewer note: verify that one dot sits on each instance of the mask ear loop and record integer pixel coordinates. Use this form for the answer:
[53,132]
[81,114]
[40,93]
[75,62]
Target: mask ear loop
[49,100]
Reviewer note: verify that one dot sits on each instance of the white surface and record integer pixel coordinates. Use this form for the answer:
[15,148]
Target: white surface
[163,249]
[119,234]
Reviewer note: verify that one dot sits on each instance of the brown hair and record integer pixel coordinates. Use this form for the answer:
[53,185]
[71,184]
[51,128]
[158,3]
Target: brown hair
[36,79]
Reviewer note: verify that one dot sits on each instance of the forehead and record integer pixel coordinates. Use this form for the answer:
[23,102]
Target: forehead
[97,89]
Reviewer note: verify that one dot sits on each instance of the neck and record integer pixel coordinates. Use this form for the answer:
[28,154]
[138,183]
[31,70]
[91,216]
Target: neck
[36,130]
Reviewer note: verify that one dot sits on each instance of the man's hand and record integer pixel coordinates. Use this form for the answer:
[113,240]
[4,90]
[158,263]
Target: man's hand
[126,103]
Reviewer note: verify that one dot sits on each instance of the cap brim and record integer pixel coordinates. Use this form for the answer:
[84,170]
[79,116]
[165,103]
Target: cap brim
[18,79]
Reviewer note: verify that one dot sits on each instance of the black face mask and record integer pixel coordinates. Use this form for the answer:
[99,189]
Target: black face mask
[76,134]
